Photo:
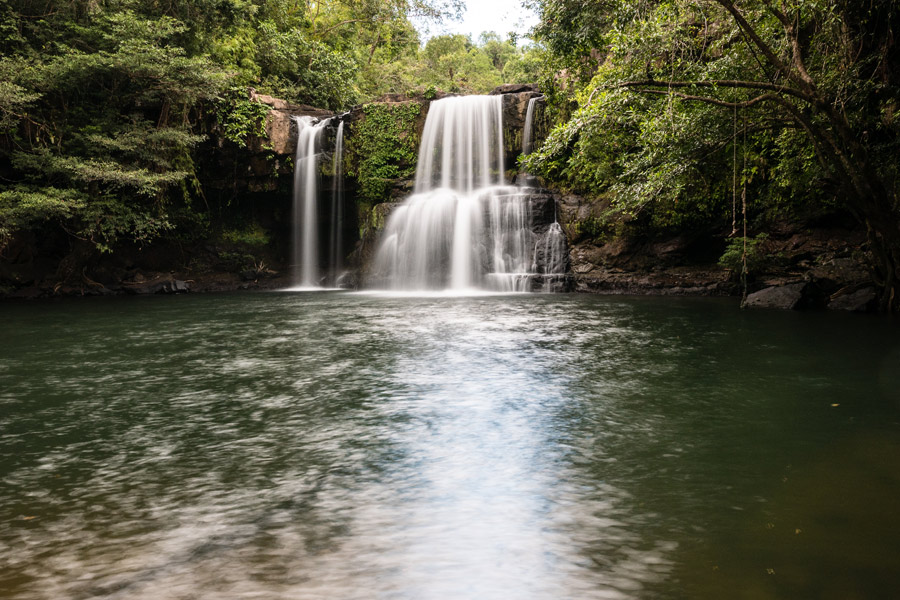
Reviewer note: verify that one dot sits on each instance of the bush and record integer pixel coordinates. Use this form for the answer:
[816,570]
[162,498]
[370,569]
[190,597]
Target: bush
[757,258]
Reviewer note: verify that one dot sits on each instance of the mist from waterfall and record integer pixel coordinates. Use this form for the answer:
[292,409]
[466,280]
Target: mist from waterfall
[462,229]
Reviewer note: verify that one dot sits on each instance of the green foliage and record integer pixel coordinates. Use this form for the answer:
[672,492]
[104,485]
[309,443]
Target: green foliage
[107,221]
[452,63]
[456,64]
[255,236]
[26,207]
[96,107]
[591,228]
[237,261]
[527,66]
[384,146]
[241,117]
[757,258]
[102,103]
[667,153]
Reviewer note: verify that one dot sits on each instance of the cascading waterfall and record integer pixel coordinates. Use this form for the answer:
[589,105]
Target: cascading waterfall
[550,256]
[337,208]
[462,145]
[551,252]
[462,228]
[305,247]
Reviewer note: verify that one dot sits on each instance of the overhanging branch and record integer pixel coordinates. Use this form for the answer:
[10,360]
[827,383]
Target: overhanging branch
[802,79]
[715,101]
[724,83]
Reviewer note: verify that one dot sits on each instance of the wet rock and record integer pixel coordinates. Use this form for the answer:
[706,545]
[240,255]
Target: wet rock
[157,286]
[514,88]
[859,301]
[839,273]
[785,297]
[515,110]
[281,133]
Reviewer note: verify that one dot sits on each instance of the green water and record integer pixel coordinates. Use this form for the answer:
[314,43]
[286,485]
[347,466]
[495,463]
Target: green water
[302,445]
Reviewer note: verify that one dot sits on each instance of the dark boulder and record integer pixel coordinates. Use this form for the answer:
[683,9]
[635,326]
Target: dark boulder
[785,297]
[859,301]
[157,286]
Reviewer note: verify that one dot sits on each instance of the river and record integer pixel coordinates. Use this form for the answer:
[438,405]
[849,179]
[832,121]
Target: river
[342,446]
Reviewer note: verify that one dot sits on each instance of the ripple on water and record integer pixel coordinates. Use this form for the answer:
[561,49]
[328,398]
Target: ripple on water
[359,446]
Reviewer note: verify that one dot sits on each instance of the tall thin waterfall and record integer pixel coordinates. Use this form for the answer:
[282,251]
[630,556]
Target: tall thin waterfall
[462,228]
[528,132]
[336,257]
[305,247]
[524,178]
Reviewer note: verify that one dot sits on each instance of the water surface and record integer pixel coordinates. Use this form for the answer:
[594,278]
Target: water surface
[333,445]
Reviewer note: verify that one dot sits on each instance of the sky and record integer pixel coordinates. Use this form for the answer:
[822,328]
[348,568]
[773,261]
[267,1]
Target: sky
[501,16]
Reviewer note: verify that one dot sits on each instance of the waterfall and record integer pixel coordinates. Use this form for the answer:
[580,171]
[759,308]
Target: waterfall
[462,228]
[528,132]
[305,246]
[551,252]
[528,140]
[462,145]
[336,258]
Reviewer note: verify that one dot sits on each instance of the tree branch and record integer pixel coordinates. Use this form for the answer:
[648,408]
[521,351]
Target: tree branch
[335,26]
[716,101]
[791,30]
[727,83]
[764,47]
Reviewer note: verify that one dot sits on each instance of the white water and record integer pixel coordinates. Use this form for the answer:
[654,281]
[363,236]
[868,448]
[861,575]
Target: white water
[336,257]
[552,251]
[305,247]
[528,132]
[462,229]
[462,145]
[528,140]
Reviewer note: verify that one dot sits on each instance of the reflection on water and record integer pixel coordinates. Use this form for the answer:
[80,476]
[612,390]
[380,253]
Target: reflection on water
[362,446]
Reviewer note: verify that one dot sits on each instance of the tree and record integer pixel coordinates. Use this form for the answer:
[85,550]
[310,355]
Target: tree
[102,104]
[821,69]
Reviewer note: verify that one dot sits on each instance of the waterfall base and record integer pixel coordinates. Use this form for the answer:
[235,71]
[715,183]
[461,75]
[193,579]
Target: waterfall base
[499,239]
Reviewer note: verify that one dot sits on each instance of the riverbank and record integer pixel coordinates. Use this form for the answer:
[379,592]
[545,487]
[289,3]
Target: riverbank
[812,268]
[793,268]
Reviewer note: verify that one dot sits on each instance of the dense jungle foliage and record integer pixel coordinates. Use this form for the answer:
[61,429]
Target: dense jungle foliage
[103,102]
[676,112]
[670,114]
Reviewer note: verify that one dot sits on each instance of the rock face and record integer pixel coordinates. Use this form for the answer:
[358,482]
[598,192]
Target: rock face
[859,301]
[158,286]
[514,88]
[620,257]
[281,131]
[786,297]
[515,109]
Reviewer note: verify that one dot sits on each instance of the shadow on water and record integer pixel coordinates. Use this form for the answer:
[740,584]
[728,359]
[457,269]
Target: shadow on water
[351,446]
